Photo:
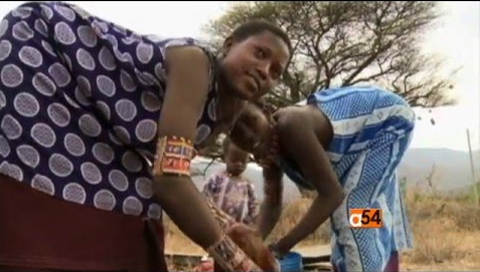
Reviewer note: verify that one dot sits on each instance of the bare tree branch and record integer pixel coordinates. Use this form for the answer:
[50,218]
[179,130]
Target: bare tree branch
[341,43]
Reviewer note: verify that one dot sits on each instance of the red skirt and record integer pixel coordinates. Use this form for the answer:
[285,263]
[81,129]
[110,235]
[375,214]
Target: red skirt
[39,232]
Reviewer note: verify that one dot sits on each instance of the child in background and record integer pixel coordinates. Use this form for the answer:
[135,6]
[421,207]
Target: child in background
[229,190]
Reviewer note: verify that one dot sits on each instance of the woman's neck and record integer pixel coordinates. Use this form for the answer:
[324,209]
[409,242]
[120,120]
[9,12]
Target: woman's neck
[229,104]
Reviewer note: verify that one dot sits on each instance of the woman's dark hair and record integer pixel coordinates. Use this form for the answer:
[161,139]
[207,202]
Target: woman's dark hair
[256,27]
[226,145]
[267,108]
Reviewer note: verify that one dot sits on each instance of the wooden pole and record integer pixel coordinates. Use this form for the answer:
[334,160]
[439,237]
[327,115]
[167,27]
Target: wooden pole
[474,177]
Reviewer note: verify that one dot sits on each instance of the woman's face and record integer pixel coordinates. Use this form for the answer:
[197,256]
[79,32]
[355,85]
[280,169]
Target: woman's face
[252,131]
[253,66]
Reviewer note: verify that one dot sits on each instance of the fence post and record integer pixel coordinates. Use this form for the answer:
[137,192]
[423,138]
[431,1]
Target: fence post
[474,177]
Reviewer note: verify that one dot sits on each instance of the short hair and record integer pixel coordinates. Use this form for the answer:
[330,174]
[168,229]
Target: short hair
[257,26]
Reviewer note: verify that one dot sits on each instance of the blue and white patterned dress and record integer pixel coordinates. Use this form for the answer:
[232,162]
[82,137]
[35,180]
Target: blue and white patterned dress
[80,99]
[372,130]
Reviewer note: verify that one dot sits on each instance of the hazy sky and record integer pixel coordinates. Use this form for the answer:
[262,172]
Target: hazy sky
[457,38]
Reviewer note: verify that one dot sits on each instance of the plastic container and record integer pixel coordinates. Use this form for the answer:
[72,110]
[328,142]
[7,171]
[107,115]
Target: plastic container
[292,262]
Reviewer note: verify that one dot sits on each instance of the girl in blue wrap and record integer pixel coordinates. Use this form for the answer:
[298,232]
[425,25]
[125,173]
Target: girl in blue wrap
[346,144]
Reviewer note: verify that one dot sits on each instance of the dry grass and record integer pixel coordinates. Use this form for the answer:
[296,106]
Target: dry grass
[446,232]
[291,215]
[438,241]
[177,241]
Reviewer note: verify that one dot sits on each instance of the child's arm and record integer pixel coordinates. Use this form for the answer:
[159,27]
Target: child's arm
[211,186]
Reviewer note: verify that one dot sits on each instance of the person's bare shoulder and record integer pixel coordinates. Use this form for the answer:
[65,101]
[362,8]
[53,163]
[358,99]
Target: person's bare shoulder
[296,122]
[289,120]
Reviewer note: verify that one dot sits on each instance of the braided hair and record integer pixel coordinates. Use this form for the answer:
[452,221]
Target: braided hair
[267,108]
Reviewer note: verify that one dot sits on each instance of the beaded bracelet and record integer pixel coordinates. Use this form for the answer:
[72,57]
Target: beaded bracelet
[230,257]
[223,219]
[173,156]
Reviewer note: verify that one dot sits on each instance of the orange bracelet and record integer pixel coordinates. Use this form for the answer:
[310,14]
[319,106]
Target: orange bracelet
[173,156]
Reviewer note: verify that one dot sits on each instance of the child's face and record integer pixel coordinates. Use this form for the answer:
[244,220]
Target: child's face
[236,160]
[252,131]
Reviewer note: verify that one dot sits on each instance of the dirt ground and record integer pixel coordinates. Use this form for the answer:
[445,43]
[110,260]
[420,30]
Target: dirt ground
[446,233]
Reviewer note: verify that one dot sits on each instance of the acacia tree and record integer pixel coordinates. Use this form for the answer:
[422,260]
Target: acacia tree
[346,43]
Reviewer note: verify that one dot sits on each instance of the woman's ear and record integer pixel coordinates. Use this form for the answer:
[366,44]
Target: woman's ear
[227,45]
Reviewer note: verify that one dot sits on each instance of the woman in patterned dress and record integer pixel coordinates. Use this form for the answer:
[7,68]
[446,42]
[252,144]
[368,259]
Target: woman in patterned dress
[80,126]
[345,144]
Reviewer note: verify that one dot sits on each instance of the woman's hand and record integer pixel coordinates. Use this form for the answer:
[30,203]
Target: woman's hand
[278,251]
[252,244]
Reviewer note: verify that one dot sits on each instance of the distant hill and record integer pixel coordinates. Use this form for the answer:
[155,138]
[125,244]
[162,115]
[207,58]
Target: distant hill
[451,171]
[451,168]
